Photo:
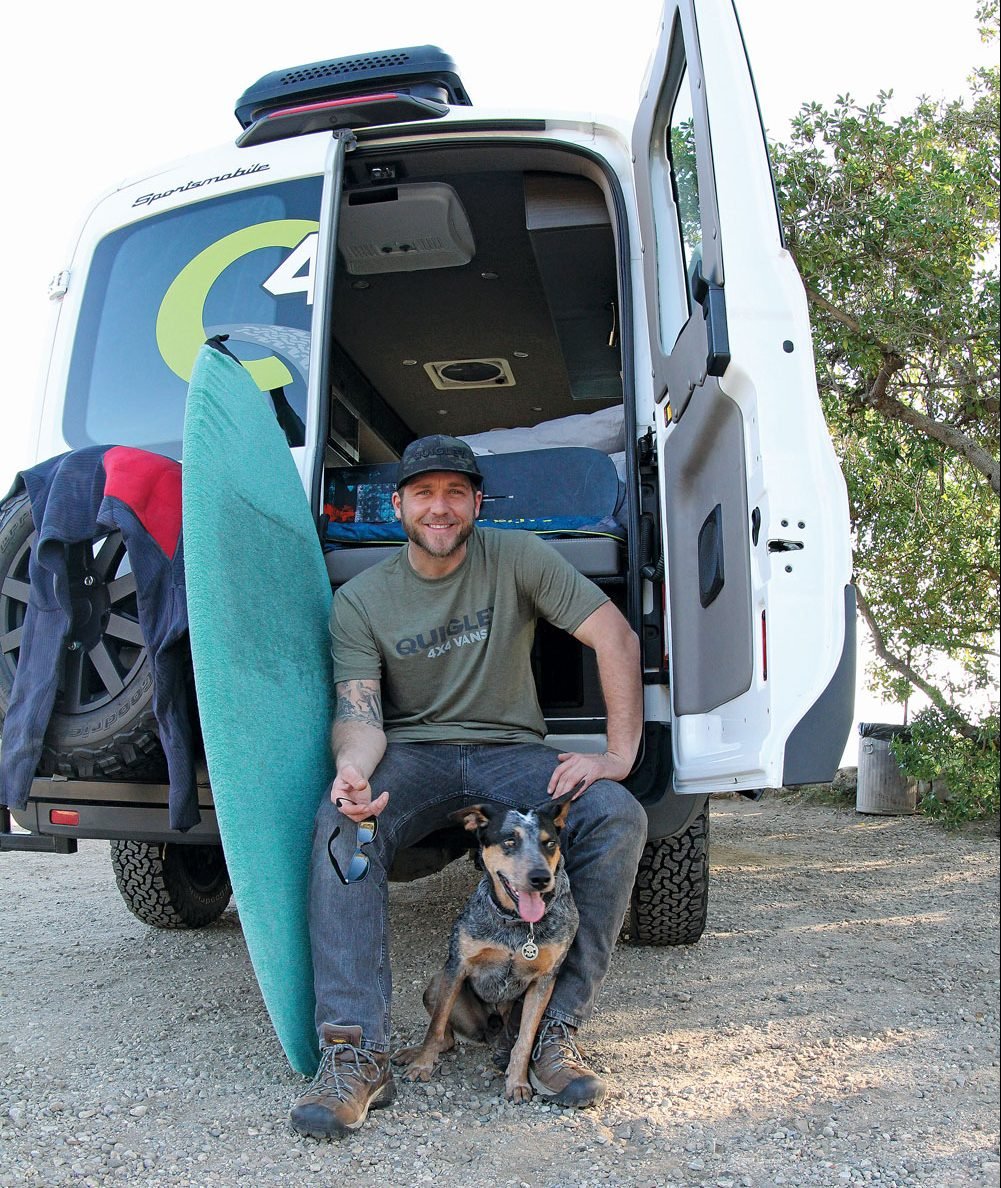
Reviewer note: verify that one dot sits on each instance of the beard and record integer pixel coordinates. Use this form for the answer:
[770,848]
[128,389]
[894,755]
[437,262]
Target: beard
[435,544]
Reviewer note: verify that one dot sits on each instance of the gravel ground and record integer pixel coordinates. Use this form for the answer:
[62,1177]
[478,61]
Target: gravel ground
[837,1024]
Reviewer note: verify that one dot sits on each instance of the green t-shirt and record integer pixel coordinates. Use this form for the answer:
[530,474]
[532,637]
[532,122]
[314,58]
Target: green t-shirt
[453,654]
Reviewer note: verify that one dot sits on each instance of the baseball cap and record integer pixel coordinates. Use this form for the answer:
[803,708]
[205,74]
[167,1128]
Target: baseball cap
[437,452]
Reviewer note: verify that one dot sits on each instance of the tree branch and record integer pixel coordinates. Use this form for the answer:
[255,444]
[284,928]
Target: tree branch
[839,315]
[906,671]
[878,397]
[977,650]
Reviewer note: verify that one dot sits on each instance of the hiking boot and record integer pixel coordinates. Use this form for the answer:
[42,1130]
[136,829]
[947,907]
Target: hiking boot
[558,1070]
[349,1082]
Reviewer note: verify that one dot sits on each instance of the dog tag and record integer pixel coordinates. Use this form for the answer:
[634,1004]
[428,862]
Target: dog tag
[530,950]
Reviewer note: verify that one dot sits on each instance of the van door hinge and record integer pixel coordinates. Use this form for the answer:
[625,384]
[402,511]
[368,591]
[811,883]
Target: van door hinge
[349,138]
[59,285]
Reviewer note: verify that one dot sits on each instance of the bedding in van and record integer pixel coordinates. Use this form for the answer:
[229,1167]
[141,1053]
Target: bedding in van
[601,430]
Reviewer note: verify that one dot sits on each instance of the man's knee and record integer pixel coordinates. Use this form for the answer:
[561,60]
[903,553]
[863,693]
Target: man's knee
[613,809]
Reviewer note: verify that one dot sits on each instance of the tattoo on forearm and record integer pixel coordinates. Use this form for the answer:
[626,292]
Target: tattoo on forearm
[358,701]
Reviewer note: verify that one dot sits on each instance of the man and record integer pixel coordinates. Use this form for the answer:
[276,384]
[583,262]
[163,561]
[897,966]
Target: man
[436,710]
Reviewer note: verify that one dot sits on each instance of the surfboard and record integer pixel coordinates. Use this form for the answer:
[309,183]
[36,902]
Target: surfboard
[258,600]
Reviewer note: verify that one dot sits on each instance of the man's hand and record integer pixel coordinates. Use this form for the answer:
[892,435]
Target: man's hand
[352,795]
[577,772]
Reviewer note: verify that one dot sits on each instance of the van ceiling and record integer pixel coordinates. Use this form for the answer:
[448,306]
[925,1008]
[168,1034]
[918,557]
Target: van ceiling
[542,300]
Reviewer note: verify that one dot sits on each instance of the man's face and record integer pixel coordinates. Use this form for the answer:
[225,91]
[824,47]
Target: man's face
[437,511]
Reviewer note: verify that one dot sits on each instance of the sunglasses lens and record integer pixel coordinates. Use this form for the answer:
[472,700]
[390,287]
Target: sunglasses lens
[359,864]
[358,868]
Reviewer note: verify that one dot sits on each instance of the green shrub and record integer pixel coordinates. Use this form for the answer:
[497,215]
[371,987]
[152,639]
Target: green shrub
[960,772]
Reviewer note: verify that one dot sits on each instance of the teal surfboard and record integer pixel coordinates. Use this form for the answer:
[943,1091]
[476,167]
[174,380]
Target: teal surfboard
[258,599]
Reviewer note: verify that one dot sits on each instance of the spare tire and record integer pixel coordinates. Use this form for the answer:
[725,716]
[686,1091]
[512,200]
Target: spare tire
[102,723]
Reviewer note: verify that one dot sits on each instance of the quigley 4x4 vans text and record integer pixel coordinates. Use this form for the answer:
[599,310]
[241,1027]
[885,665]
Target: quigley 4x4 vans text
[390,262]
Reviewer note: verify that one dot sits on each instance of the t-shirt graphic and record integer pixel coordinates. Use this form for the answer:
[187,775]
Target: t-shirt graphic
[432,642]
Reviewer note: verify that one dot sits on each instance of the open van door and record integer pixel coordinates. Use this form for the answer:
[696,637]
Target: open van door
[760,619]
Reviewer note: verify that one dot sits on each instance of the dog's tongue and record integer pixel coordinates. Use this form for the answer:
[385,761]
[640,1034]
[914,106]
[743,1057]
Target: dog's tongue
[530,906]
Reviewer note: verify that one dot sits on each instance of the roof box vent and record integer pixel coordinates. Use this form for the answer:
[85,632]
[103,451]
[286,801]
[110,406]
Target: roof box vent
[423,71]
[448,374]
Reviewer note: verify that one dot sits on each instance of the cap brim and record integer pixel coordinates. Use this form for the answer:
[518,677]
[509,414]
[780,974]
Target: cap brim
[473,475]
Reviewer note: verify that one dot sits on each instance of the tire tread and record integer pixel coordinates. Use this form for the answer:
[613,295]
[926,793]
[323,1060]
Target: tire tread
[671,895]
[153,882]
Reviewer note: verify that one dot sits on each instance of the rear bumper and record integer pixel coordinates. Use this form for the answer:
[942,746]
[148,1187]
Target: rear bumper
[11,839]
[113,810]
[105,809]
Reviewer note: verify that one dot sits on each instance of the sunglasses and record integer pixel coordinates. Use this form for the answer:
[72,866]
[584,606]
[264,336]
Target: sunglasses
[359,864]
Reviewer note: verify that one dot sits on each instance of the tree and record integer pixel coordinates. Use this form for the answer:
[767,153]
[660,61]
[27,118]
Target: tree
[894,226]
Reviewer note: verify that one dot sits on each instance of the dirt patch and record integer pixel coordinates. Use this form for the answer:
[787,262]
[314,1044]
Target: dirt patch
[837,1024]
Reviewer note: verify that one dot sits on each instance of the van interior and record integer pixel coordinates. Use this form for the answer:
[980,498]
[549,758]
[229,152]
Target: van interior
[478,293]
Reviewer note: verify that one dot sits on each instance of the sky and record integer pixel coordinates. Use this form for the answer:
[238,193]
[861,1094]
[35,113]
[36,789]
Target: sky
[96,93]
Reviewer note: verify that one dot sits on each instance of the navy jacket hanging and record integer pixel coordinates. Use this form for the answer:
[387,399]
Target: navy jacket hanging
[75,498]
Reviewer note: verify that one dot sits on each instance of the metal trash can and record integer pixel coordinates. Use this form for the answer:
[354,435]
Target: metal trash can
[883,788]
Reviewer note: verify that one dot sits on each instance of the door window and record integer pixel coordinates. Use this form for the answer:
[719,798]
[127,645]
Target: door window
[685,177]
[241,265]
[676,204]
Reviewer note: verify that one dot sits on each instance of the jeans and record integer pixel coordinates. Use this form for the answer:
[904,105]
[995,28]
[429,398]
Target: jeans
[349,923]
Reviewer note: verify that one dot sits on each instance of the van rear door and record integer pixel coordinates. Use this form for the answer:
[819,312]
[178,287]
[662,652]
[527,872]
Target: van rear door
[755,519]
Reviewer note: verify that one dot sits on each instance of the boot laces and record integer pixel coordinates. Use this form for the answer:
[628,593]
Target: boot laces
[339,1066]
[556,1032]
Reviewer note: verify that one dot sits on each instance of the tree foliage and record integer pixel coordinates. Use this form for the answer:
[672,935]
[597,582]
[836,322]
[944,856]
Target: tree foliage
[894,226]
[957,774]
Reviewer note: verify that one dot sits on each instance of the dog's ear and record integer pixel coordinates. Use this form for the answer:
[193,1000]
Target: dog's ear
[557,813]
[561,813]
[472,818]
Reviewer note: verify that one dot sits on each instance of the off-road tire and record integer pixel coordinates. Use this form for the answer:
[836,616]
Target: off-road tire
[670,898]
[101,727]
[172,886]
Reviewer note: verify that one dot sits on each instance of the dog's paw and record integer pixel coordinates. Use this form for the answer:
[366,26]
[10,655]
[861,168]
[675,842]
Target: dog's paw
[417,1064]
[518,1091]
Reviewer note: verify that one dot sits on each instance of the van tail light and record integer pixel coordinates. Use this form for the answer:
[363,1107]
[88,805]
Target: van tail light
[764,648]
[64,817]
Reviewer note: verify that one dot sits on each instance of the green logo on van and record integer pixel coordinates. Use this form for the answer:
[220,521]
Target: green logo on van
[180,323]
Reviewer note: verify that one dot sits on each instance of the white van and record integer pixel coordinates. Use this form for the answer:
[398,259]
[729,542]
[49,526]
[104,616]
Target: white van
[391,262]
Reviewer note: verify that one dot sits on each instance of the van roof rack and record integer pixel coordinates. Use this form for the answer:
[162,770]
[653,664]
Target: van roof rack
[388,86]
